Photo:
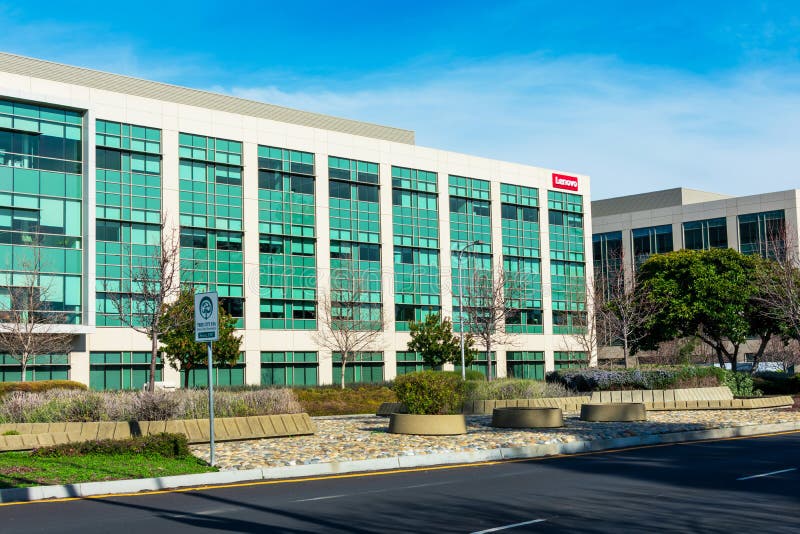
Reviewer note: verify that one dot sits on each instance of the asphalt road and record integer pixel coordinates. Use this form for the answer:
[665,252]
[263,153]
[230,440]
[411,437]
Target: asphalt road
[744,485]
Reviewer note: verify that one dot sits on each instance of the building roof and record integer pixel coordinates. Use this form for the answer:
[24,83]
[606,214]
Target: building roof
[679,196]
[94,79]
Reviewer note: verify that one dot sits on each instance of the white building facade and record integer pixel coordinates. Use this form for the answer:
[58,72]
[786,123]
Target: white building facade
[267,201]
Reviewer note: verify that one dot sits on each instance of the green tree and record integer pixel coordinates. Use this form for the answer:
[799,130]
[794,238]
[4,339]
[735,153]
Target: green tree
[179,347]
[711,294]
[434,339]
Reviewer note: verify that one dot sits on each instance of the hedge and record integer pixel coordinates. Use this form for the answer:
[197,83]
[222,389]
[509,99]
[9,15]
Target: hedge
[163,444]
[40,386]
[430,392]
[641,378]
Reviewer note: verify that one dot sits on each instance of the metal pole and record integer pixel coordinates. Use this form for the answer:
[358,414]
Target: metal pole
[461,314]
[210,405]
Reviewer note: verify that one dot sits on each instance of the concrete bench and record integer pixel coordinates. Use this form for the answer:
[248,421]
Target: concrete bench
[567,404]
[33,435]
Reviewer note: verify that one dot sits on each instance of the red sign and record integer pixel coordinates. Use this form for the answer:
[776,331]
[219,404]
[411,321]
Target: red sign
[562,181]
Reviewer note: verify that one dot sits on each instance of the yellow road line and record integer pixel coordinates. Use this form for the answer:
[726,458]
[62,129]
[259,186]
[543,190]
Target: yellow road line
[389,472]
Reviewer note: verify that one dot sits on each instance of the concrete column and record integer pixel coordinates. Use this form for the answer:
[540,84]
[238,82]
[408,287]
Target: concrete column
[250,248]
[387,272]
[323,250]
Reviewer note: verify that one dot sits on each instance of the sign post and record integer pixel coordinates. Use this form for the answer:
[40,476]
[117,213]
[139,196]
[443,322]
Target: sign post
[206,329]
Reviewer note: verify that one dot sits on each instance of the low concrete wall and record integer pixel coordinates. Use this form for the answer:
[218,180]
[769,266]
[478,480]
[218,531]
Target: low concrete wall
[33,435]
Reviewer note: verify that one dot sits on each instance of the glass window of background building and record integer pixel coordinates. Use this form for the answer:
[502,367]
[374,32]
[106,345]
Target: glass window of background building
[762,233]
[121,370]
[355,229]
[211,219]
[651,240]
[287,239]
[522,255]
[367,367]
[41,205]
[705,235]
[128,216]
[525,364]
[289,368]
[470,221]
[415,224]
[567,261]
[607,253]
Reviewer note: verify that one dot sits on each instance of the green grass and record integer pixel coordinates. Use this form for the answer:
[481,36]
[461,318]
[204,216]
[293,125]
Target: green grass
[20,469]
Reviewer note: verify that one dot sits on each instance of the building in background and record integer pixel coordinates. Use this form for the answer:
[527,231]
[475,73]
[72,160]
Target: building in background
[268,201]
[634,227]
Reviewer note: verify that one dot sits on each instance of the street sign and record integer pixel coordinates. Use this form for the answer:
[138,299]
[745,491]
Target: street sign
[206,317]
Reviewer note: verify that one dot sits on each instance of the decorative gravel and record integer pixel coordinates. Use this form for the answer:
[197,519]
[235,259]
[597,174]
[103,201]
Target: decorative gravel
[364,437]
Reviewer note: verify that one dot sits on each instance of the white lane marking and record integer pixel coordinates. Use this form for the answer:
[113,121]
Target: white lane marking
[768,474]
[504,527]
[322,498]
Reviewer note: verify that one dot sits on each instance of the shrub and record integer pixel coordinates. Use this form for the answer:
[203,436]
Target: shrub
[167,445]
[354,399]
[39,386]
[775,383]
[514,388]
[741,384]
[430,392]
[471,374]
[77,406]
[640,378]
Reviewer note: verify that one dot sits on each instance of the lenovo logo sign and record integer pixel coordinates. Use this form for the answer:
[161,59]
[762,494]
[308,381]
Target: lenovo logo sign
[562,181]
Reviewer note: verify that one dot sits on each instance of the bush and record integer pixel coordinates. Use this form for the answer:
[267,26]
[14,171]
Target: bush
[514,388]
[775,383]
[39,386]
[430,392]
[640,378]
[167,445]
[354,399]
[741,384]
[471,374]
[78,406]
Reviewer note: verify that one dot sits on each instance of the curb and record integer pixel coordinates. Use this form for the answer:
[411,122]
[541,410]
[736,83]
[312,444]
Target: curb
[89,489]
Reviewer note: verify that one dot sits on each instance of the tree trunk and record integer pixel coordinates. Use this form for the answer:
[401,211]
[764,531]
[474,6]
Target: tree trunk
[489,360]
[151,382]
[344,362]
[186,378]
[627,354]
[720,357]
[761,348]
[24,364]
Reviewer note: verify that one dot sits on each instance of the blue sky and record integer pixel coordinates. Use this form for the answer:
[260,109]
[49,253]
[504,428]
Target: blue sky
[641,95]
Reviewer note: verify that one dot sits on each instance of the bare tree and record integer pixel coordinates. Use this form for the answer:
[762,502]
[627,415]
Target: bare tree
[785,352]
[622,308]
[30,324]
[155,282]
[348,323]
[491,299]
[590,328]
[778,283]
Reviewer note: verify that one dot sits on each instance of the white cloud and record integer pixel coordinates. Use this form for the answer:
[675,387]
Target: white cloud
[632,129]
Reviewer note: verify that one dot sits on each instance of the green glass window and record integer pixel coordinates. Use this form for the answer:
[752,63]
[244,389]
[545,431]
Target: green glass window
[470,221]
[480,363]
[121,370]
[287,239]
[415,223]
[525,364]
[410,362]
[128,178]
[355,227]
[224,375]
[41,367]
[762,233]
[570,359]
[41,199]
[522,256]
[289,369]
[367,368]
[210,172]
[567,261]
